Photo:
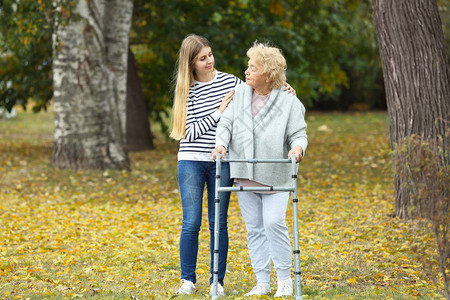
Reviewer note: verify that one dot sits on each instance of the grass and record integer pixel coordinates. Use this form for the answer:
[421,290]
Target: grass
[114,235]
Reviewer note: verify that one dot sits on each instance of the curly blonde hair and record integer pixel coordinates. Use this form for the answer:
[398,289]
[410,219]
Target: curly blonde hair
[272,61]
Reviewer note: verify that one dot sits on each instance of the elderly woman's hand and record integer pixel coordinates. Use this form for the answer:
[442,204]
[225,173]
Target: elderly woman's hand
[219,149]
[298,151]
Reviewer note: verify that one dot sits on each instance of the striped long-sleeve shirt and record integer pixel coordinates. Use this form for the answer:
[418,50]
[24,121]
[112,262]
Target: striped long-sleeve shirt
[203,115]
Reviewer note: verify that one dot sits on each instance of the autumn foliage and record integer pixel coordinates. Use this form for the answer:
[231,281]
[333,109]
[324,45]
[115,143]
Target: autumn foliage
[114,235]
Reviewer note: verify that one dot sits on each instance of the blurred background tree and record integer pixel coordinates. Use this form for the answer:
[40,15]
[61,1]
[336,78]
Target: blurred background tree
[26,53]
[330,47]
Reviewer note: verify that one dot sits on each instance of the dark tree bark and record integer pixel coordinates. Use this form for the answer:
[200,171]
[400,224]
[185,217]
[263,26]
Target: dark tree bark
[417,78]
[138,134]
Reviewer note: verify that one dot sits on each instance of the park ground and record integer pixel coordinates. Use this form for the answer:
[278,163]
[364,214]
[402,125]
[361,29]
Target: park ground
[114,234]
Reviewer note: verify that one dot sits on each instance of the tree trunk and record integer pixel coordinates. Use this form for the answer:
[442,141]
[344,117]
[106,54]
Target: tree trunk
[139,136]
[89,73]
[416,75]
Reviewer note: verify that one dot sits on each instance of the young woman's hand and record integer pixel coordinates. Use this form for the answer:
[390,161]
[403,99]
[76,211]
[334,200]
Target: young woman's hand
[226,100]
[219,149]
[289,88]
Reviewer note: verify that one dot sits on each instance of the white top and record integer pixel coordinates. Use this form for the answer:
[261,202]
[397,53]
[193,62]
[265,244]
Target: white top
[258,102]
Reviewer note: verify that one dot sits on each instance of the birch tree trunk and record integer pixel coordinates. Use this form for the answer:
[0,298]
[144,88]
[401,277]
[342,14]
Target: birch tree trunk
[89,74]
[417,78]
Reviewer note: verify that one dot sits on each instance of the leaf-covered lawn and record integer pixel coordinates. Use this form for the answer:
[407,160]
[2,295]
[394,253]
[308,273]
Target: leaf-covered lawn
[114,235]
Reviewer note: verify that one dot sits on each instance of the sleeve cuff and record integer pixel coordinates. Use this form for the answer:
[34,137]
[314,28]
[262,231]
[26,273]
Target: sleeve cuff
[216,115]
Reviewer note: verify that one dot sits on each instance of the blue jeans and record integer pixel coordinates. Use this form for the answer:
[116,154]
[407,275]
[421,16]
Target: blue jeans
[192,177]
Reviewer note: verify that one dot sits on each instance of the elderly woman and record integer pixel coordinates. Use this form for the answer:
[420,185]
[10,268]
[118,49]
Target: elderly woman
[264,122]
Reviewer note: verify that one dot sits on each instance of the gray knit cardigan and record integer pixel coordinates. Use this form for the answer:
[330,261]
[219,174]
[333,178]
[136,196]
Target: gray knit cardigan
[277,128]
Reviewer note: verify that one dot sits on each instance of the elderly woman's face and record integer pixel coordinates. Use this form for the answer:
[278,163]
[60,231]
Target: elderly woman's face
[254,76]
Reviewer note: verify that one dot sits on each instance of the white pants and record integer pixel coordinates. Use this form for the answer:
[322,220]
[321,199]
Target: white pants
[267,233]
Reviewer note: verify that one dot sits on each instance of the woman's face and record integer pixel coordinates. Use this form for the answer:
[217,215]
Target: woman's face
[254,76]
[204,62]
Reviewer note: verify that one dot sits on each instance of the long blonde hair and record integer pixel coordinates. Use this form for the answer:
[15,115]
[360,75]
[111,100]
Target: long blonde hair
[191,46]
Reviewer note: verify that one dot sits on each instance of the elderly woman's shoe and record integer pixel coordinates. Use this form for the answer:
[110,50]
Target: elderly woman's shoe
[285,288]
[259,289]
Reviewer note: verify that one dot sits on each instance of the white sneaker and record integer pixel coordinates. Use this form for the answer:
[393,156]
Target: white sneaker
[187,288]
[259,289]
[285,288]
[220,291]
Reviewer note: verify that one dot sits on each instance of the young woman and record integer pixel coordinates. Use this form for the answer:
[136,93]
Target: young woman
[199,102]
[201,95]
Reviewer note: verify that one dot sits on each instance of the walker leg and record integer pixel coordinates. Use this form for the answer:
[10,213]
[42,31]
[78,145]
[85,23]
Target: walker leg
[216,229]
[297,273]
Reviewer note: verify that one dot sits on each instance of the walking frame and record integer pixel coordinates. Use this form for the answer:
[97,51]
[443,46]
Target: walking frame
[293,190]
